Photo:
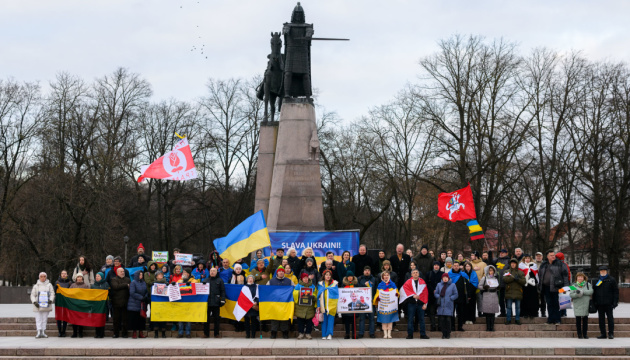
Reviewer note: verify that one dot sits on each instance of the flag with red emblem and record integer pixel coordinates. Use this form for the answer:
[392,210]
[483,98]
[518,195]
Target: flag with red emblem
[174,165]
[457,205]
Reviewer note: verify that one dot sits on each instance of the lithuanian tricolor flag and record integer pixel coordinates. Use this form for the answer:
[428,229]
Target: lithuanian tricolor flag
[85,307]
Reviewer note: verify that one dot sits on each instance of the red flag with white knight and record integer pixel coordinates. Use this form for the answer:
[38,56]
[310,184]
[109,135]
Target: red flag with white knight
[457,205]
[174,165]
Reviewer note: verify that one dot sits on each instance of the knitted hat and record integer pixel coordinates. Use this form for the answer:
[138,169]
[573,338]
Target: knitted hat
[437,263]
[448,259]
[140,247]
[304,275]
[445,275]
[102,275]
[424,247]
[280,269]
[349,273]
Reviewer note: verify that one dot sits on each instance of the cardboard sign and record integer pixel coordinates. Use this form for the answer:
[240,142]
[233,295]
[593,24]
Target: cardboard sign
[159,289]
[184,259]
[355,300]
[173,293]
[160,257]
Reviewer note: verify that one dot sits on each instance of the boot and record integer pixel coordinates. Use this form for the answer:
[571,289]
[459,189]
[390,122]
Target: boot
[81,332]
[44,334]
[142,336]
[273,334]
[134,335]
[74,332]
[163,334]
[285,334]
[385,334]
[389,334]
[156,334]
[39,334]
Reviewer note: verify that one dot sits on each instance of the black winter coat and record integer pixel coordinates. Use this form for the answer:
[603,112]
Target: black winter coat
[424,263]
[217,291]
[558,272]
[607,293]
[361,261]
[400,267]
[119,291]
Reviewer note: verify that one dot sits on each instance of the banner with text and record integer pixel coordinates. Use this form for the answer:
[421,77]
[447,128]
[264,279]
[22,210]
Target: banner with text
[355,300]
[321,242]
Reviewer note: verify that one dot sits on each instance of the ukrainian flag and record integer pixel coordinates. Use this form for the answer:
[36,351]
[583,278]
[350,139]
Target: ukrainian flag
[275,302]
[232,292]
[191,308]
[248,236]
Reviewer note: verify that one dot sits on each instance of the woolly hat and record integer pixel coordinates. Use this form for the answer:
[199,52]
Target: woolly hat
[140,247]
[445,275]
[303,275]
[102,275]
[349,273]
[279,269]
[437,263]
[448,259]
[560,256]
[424,247]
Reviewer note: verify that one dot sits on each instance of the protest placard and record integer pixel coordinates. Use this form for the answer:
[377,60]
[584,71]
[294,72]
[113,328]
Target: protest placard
[355,300]
[160,257]
[184,259]
[173,293]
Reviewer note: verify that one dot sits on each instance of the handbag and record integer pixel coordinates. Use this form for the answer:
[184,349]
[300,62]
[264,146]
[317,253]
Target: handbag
[319,315]
[143,309]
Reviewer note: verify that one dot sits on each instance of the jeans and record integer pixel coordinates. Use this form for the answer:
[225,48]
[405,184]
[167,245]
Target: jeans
[415,312]
[329,325]
[606,311]
[372,327]
[304,326]
[517,308]
[181,328]
[553,305]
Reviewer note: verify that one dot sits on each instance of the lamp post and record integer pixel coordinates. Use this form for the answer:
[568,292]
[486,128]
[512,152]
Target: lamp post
[126,240]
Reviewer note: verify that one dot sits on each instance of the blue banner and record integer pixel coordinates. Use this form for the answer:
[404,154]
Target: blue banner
[321,242]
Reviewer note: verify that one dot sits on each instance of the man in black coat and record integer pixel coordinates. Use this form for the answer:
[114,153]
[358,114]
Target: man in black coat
[216,299]
[460,279]
[362,259]
[433,278]
[424,261]
[134,260]
[553,276]
[606,298]
[400,264]
[329,256]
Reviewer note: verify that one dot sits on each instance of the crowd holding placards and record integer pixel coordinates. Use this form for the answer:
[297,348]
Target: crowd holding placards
[451,292]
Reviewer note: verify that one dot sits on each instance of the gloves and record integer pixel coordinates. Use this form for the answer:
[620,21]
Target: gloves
[578,292]
[173,283]
[222,302]
[486,287]
[36,304]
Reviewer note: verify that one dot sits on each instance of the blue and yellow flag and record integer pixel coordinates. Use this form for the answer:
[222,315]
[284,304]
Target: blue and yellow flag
[275,302]
[248,236]
[191,308]
[232,292]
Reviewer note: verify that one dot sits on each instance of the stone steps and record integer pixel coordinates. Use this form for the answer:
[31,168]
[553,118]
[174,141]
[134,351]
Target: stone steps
[304,353]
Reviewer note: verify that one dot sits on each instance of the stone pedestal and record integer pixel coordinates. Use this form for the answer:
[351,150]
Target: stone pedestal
[264,167]
[295,201]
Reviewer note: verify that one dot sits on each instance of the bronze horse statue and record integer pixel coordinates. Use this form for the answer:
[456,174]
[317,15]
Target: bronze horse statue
[270,89]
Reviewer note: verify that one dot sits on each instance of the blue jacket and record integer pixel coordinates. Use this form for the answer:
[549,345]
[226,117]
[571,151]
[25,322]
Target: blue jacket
[200,275]
[137,293]
[446,304]
[226,275]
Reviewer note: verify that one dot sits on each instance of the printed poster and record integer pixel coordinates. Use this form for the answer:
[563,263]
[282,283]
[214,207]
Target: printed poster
[355,300]
[184,259]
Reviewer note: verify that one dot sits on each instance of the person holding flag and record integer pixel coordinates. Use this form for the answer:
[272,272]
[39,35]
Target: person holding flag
[327,298]
[247,307]
[415,294]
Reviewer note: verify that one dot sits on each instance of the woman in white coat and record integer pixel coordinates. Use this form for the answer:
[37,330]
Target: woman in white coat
[42,297]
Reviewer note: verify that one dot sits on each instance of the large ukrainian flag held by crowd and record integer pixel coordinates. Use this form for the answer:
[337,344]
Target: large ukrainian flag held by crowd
[190,308]
[84,307]
[248,236]
[275,302]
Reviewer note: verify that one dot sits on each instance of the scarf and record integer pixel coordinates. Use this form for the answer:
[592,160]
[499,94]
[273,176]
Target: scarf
[602,278]
[443,291]
[581,284]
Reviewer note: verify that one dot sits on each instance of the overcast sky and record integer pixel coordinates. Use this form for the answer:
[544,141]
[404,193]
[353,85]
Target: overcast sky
[91,38]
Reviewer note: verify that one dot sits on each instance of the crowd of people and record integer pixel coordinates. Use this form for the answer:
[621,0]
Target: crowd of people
[458,290]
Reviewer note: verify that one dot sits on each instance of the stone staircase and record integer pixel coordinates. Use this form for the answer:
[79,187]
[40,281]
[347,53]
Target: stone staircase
[530,328]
